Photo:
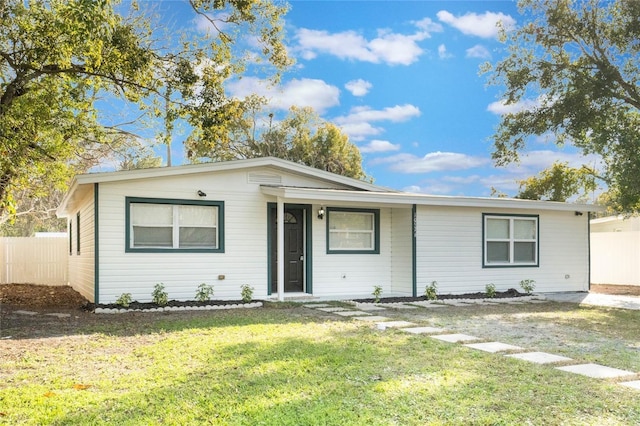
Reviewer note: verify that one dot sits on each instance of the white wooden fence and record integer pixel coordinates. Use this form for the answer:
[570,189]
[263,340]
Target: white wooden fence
[25,260]
[615,258]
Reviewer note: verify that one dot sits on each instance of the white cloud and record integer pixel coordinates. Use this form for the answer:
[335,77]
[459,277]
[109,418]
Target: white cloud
[203,23]
[358,123]
[379,146]
[478,51]
[442,52]
[388,47]
[358,87]
[304,92]
[500,107]
[428,25]
[484,25]
[432,162]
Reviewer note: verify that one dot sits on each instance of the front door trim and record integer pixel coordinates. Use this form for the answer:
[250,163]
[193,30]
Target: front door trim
[308,258]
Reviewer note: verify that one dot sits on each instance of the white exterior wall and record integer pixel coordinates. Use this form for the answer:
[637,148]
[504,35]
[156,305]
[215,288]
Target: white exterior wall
[616,224]
[615,258]
[243,262]
[401,251]
[349,275]
[449,251]
[81,264]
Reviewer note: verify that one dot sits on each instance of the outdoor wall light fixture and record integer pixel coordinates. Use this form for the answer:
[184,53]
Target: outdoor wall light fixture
[578,213]
[321,213]
[201,194]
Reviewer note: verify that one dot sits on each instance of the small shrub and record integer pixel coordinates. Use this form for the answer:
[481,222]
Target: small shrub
[204,292]
[490,289]
[246,291]
[528,286]
[377,292]
[159,296]
[431,291]
[124,300]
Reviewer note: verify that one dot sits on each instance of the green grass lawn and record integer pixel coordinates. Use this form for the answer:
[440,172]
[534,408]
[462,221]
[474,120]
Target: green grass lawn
[296,366]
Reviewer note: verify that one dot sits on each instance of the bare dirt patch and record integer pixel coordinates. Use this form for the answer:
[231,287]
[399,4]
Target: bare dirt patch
[31,296]
[623,290]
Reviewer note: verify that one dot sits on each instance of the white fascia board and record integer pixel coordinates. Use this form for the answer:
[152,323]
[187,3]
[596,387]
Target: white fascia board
[228,165]
[405,198]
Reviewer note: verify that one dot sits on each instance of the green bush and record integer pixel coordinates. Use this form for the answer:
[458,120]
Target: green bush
[377,292]
[246,292]
[159,296]
[124,300]
[528,286]
[204,292]
[431,291]
[490,289]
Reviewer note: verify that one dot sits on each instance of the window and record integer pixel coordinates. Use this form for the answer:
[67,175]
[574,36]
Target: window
[156,225]
[510,240]
[353,231]
[78,233]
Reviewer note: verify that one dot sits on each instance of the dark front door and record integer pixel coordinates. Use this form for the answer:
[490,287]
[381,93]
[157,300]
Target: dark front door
[293,251]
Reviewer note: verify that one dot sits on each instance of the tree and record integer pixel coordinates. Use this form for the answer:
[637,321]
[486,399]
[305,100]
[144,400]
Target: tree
[302,137]
[558,183]
[57,57]
[580,60]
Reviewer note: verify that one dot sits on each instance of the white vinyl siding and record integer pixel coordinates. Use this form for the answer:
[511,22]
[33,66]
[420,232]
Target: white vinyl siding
[510,240]
[81,263]
[450,243]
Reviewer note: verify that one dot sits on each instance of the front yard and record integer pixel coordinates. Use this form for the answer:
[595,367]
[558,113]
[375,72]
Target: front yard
[286,364]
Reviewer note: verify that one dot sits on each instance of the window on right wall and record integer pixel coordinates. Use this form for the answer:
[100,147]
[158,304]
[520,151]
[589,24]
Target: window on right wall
[510,240]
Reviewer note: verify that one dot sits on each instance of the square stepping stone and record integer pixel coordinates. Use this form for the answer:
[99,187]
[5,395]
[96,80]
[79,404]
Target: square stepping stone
[370,308]
[334,309]
[316,305]
[25,313]
[351,313]
[394,324]
[450,303]
[540,357]
[596,371]
[635,384]
[371,318]
[537,301]
[402,306]
[493,347]
[423,330]
[428,304]
[59,315]
[455,338]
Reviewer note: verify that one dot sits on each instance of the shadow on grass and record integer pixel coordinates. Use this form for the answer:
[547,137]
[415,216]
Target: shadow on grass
[336,373]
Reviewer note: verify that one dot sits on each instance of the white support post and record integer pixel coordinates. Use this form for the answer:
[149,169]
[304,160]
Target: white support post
[280,236]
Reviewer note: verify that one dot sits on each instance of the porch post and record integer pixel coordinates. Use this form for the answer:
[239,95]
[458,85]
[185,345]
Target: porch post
[280,236]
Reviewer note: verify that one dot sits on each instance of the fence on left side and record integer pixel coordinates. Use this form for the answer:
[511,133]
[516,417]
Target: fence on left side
[34,260]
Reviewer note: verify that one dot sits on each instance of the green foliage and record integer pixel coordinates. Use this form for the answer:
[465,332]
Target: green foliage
[124,300]
[558,183]
[301,137]
[159,296]
[377,292]
[431,291]
[246,293]
[528,286]
[58,56]
[575,65]
[490,290]
[204,292]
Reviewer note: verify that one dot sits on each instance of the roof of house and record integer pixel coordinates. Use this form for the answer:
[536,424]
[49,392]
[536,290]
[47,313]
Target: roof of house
[359,192]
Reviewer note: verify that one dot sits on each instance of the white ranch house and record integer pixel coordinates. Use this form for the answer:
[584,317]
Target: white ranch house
[218,223]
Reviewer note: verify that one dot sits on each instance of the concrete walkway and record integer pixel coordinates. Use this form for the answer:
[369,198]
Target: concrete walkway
[597,299]
[568,365]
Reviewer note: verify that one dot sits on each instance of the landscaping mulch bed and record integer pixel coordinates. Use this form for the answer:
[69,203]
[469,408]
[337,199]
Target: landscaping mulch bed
[512,292]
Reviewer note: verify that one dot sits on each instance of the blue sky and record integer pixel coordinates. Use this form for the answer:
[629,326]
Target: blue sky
[402,79]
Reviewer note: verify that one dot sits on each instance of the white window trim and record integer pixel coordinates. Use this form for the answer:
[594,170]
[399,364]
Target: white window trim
[511,240]
[373,233]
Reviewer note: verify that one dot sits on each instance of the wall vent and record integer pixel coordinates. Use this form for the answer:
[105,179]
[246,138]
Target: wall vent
[264,178]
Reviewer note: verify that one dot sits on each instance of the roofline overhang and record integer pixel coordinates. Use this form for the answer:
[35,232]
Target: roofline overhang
[403,199]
